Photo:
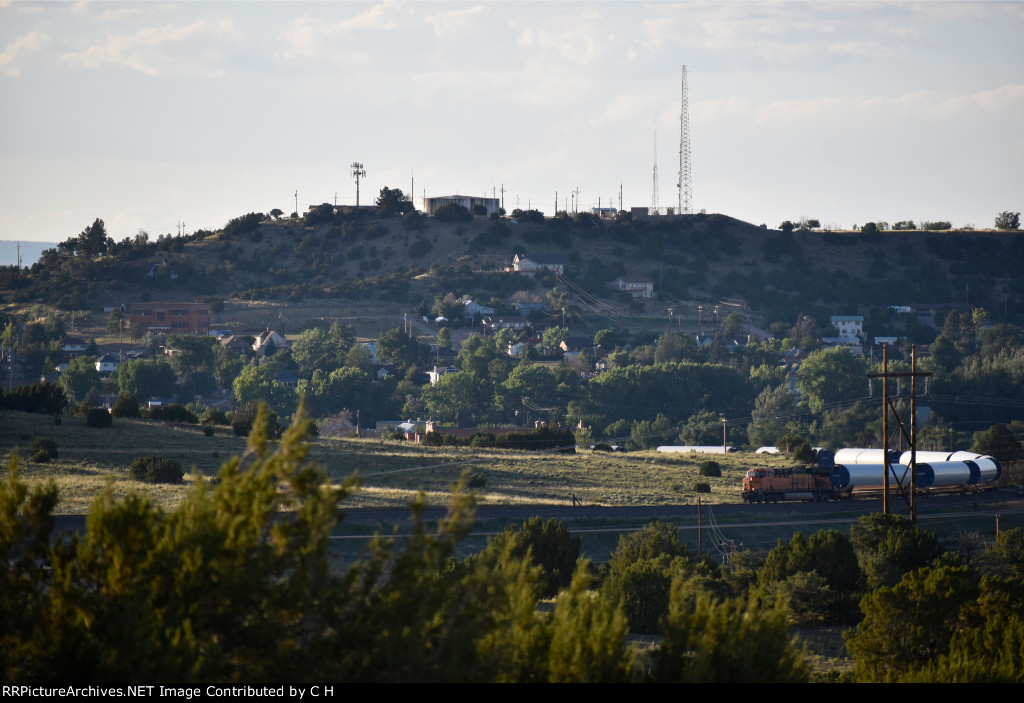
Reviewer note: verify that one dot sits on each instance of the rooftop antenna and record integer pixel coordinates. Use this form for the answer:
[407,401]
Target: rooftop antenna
[654,187]
[358,172]
[684,186]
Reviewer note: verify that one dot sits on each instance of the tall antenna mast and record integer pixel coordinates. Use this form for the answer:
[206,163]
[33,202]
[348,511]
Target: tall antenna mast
[685,189]
[357,173]
[654,186]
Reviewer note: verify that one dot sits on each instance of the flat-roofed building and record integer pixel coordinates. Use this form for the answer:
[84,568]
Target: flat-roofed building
[186,318]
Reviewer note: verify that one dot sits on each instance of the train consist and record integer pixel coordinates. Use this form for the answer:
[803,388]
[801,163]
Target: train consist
[861,472]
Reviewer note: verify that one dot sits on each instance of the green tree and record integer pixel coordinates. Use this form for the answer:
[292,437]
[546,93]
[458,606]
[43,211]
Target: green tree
[317,349]
[444,338]
[397,347]
[773,415]
[1008,220]
[831,376]
[554,336]
[93,240]
[730,641]
[117,322]
[393,201]
[547,545]
[828,556]
[257,384]
[909,626]
[1000,442]
[733,325]
[672,347]
[609,340]
[528,383]
[146,379]
[1005,558]
[889,546]
[702,429]
[80,378]
[457,397]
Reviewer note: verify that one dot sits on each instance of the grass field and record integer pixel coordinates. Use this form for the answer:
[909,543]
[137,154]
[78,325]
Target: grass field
[392,472]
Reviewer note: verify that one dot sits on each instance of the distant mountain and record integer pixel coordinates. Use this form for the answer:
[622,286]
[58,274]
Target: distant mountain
[30,251]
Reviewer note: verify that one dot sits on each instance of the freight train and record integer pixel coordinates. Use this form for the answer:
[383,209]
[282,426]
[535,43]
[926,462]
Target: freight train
[861,472]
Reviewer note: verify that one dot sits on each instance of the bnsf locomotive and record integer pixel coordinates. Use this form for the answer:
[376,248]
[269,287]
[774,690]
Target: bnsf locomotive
[860,475]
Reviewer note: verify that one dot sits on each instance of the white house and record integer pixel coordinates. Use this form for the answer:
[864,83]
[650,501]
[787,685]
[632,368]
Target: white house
[532,264]
[638,287]
[438,372]
[107,363]
[265,337]
[471,308]
[849,326]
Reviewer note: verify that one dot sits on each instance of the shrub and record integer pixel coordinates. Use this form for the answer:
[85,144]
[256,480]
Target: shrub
[98,417]
[804,452]
[213,416]
[549,545]
[44,445]
[477,479]
[40,457]
[208,430]
[155,469]
[711,469]
[701,487]
[173,412]
[126,405]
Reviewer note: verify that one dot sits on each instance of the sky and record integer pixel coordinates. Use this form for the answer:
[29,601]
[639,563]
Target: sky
[152,114]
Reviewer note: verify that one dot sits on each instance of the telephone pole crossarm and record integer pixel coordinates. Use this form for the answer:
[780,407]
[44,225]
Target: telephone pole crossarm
[908,493]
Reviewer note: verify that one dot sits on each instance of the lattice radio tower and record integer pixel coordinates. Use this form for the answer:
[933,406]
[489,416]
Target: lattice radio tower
[685,189]
[654,187]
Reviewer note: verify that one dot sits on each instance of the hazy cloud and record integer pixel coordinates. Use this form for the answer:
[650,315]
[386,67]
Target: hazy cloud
[150,50]
[453,22]
[33,41]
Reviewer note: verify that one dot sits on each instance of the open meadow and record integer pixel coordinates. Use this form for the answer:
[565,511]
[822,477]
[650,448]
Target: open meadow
[392,473]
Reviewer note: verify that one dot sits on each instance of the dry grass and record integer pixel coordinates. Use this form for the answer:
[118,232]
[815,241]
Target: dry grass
[392,473]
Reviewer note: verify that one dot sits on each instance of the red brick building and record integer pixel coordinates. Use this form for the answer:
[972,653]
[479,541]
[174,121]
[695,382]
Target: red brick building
[192,318]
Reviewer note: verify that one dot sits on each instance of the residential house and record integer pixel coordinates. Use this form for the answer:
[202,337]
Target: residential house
[849,326]
[471,309]
[108,363]
[237,344]
[74,345]
[265,337]
[530,265]
[440,371]
[519,347]
[516,323]
[851,332]
[637,286]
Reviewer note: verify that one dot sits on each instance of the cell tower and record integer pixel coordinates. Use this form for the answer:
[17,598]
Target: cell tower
[685,190]
[358,172]
[654,187]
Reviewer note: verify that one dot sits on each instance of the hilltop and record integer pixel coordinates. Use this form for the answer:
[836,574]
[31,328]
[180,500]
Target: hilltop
[358,262]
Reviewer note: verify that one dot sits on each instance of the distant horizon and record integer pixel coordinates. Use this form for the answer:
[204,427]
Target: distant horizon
[30,251]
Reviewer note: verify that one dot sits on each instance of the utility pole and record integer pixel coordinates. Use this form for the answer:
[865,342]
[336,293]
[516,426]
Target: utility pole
[358,172]
[908,493]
